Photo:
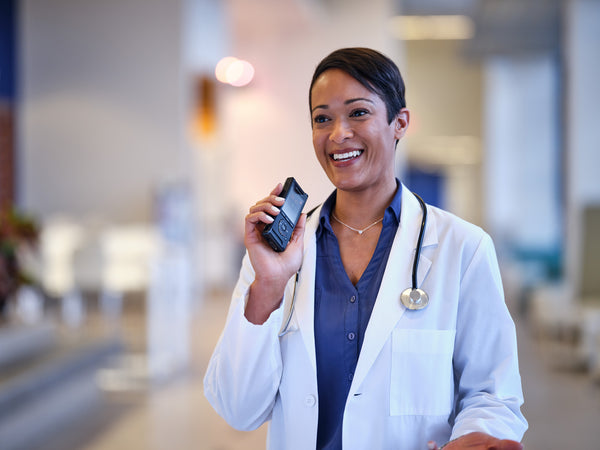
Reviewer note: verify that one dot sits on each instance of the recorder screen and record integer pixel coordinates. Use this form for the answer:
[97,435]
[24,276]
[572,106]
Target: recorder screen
[293,207]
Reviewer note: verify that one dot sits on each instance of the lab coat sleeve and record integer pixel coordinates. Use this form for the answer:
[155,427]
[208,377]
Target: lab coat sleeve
[244,372]
[489,393]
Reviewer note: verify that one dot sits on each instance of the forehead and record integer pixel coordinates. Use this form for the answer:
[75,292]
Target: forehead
[337,85]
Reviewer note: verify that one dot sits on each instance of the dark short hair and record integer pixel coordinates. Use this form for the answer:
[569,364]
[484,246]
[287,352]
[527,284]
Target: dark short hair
[375,71]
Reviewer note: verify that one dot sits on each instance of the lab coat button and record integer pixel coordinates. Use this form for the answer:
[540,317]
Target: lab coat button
[310,400]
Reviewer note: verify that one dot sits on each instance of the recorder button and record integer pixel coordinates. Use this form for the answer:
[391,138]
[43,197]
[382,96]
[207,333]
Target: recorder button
[283,228]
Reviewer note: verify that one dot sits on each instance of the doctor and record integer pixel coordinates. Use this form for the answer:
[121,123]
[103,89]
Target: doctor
[332,357]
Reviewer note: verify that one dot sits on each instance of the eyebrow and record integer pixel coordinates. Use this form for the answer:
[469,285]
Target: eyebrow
[347,102]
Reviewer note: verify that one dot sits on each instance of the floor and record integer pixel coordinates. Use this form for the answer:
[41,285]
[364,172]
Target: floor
[562,406]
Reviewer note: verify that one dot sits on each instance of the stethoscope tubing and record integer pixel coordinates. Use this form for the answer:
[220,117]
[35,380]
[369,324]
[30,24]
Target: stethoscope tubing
[419,241]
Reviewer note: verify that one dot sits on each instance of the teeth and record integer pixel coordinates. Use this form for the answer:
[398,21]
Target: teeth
[352,154]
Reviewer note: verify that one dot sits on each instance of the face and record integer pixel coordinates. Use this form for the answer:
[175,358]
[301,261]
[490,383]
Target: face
[352,138]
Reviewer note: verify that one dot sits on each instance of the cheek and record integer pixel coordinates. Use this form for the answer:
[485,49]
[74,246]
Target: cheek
[319,153]
[318,142]
[319,149]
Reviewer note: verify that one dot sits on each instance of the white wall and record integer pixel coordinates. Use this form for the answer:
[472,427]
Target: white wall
[101,109]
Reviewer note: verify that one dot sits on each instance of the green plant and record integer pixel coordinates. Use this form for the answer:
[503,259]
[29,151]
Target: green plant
[16,230]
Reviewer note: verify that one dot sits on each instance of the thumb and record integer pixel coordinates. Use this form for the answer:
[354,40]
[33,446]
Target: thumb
[298,233]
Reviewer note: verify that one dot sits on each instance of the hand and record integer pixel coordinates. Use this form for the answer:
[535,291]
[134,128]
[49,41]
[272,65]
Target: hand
[272,269]
[478,441]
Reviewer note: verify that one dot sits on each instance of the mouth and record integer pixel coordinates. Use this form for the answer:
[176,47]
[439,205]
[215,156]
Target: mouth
[347,156]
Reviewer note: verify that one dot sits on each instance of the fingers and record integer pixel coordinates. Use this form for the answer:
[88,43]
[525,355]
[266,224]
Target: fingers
[260,214]
[263,213]
[264,210]
[277,190]
[507,444]
[478,441]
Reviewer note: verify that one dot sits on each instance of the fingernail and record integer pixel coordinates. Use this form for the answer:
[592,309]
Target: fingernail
[280,199]
[274,208]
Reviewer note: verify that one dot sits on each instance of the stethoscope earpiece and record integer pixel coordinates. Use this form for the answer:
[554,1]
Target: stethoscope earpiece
[414,298]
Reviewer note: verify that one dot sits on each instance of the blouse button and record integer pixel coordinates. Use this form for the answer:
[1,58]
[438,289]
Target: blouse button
[352,299]
[351,336]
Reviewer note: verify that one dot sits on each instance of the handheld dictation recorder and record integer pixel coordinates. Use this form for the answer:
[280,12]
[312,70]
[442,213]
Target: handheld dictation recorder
[279,232]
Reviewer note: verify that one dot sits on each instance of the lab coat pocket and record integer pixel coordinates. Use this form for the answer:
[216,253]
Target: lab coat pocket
[422,381]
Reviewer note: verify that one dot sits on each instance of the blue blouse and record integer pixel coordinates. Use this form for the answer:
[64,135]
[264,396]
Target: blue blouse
[342,312]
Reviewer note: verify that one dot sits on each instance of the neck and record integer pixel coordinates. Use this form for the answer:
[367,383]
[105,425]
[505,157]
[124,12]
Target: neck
[362,208]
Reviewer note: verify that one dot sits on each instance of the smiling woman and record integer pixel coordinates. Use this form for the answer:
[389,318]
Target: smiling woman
[356,367]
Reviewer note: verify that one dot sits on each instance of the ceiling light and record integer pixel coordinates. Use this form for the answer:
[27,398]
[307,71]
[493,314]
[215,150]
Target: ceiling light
[234,71]
[414,28]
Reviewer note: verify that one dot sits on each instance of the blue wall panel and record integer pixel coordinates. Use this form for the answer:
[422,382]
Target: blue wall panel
[428,185]
[7,48]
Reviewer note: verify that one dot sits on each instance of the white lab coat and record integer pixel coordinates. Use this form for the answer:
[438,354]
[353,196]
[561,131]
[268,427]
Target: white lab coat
[433,374]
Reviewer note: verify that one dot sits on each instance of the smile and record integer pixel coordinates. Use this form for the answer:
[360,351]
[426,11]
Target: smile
[346,156]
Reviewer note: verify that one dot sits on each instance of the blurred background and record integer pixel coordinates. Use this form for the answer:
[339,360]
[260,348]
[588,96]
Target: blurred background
[134,135]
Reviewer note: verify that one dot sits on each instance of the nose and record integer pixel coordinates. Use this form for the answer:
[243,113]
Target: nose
[341,131]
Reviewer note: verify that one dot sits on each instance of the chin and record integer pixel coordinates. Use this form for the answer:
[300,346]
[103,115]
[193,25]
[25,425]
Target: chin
[346,184]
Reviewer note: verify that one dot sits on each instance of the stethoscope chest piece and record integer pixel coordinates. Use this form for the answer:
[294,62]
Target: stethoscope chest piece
[414,298]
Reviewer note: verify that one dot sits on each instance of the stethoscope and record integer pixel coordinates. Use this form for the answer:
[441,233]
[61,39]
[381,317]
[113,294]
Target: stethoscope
[413,298]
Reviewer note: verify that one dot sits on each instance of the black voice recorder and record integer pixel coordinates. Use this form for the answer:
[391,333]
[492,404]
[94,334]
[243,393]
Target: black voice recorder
[279,232]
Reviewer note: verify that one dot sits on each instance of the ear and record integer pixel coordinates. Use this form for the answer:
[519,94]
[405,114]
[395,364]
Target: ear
[401,122]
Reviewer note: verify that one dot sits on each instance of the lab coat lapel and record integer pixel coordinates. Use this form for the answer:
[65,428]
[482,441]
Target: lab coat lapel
[305,305]
[397,276]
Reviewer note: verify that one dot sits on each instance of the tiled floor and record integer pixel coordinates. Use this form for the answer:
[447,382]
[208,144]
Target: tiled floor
[563,408]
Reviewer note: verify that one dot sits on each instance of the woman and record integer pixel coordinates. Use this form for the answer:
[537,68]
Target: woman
[353,368]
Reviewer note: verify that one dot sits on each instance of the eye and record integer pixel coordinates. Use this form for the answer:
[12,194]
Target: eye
[320,119]
[359,112]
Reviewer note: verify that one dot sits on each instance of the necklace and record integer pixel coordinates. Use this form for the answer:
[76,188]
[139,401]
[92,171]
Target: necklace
[355,229]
